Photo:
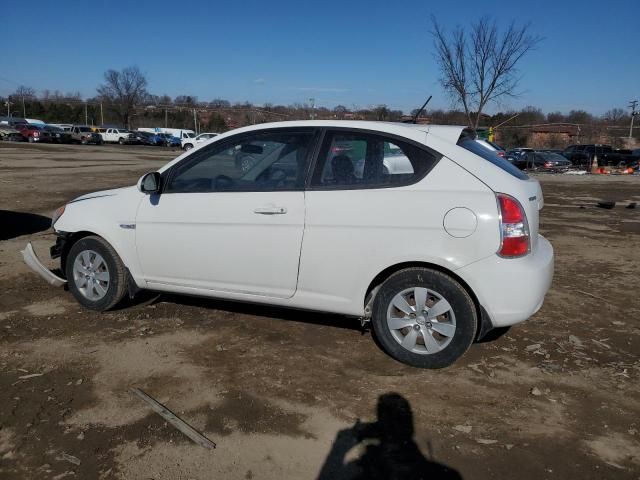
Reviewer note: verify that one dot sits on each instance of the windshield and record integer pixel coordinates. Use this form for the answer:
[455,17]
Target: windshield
[190,135]
[552,157]
[468,143]
[84,129]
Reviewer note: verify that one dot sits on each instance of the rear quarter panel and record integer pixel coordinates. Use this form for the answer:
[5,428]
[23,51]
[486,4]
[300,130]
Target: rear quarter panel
[353,235]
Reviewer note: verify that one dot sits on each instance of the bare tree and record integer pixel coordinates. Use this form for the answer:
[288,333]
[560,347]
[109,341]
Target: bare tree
[188,100]
[123,90]
[479,65]
[339,111]
[616,116]
[24,93]
[381,112]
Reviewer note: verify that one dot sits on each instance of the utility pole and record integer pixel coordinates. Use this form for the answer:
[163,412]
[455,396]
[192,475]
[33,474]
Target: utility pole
[86,115]
[24,110]
[313,107]
[165,118]
[195,121]
[8,104]
[632,105]
[101,115]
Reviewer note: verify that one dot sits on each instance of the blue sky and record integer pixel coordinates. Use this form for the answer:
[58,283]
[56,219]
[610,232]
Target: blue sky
[355,53]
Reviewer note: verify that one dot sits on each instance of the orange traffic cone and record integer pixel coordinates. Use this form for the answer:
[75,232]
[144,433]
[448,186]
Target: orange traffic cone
[594,165]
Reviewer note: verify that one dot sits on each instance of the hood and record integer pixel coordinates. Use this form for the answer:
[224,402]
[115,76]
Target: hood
[103,193]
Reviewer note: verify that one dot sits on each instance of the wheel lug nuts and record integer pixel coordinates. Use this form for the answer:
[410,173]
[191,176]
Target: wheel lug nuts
[416,327]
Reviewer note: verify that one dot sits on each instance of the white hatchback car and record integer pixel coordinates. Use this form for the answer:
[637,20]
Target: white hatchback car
[434,254]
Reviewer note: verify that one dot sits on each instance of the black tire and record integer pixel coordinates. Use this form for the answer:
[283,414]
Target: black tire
[117,285]
[462,308]
[121,141]
[31,140]
[83,141]
[188,146]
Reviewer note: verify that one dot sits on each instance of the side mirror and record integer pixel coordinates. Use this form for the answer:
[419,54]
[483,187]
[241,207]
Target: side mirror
[149,183]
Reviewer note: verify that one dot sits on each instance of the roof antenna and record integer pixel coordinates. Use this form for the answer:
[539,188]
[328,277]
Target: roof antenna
[415,118]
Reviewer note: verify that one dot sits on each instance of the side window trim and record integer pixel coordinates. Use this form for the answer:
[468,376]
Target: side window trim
[167,175]
[314,164]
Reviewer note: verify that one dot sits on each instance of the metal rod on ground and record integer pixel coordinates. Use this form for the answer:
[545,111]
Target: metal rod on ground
[173,419]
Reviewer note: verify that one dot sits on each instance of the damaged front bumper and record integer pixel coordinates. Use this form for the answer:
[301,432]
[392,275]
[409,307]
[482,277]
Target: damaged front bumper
[31,259]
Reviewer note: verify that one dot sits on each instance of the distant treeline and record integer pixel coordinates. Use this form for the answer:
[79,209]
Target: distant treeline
[220,115]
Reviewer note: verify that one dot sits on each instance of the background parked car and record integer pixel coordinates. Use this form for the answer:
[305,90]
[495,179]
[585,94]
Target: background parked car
[582,155]
[64,126]
[154,138]
[538,160]
[84,135]
[143,138]
[514,154]
[10,134]
[169,140]
[33,133]
[117,135]
[189,143]
[622,158]
[58,135]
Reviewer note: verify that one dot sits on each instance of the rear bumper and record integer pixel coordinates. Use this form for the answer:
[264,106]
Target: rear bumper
[511,290]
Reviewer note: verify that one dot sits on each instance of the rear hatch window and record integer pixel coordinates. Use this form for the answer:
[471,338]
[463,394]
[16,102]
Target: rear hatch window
[467,141]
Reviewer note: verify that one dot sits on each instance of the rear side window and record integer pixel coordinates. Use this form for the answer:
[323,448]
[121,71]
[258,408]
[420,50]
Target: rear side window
[362,160]
[470,144]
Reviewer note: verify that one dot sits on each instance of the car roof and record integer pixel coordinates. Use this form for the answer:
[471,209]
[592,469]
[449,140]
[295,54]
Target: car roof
[447,132]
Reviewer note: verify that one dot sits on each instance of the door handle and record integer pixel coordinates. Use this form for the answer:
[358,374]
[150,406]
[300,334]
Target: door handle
[270,210]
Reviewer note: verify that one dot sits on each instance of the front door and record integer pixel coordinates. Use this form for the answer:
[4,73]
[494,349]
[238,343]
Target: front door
[230,217]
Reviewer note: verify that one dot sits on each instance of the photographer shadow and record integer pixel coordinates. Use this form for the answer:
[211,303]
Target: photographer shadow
[389,451]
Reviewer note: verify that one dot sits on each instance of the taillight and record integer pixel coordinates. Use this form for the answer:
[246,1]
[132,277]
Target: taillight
[500,153]
[514,230]
[548,164]
[36,134]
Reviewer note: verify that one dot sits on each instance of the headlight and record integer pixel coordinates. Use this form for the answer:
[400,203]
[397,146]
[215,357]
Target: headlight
[57,214]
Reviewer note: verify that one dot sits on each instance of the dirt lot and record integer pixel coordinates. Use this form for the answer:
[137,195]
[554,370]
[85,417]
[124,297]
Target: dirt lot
[282,393]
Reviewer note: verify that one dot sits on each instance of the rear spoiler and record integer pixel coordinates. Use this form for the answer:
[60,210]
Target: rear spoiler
[451,134]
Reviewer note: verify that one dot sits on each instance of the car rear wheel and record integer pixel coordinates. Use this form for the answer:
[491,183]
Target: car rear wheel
[95,274]
[31,140]
[424,318]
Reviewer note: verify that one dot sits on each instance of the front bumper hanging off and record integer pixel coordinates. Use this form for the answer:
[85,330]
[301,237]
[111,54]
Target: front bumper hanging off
[31,259]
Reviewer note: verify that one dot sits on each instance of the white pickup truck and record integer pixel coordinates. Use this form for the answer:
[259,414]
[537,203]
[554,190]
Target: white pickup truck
[116,135]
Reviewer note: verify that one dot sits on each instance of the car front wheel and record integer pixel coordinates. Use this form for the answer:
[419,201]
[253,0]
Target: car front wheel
[95,274]
[424,318]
